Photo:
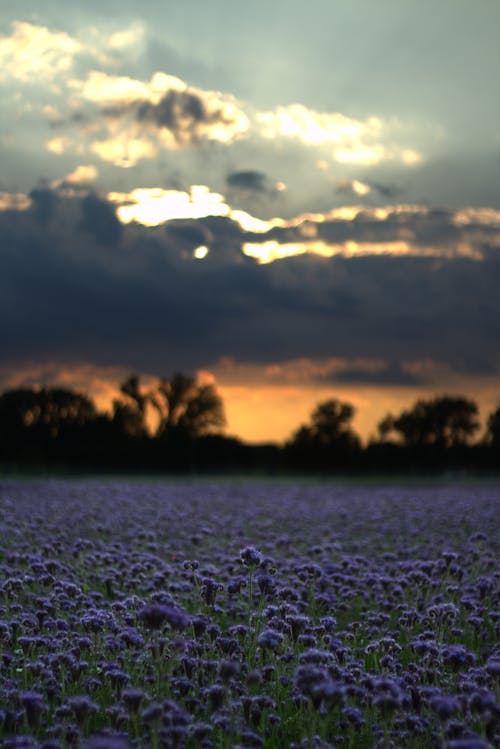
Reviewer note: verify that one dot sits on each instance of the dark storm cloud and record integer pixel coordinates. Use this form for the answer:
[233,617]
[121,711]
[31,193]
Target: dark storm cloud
[184,113]
[188,234]
[44,203]
[420,227]
[248,180]
[99,220]
[387,191]
[81,288]
[391,374]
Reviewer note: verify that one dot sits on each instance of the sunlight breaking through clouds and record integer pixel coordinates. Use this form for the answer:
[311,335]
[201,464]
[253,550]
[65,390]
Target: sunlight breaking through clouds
[201,252]
[153,206]
[270,250]
[186,182]
[400,230]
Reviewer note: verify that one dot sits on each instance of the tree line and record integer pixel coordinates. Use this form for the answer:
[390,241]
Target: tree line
[176,426]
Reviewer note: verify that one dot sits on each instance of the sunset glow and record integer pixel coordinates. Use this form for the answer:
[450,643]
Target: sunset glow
[294,202]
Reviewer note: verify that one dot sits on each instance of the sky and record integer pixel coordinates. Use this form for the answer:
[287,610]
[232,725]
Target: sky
[299,201]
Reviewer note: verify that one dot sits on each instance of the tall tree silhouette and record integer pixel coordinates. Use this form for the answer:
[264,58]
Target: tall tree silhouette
[187,406]
[46,411]
[442,422]
[493,430]
[328,440]
[129,414]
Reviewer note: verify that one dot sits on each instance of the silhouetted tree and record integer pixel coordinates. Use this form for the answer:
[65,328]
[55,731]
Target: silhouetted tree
[186,406]
[493,430]
[45,426]
[443,422]
[129,415]
[328,440]
[45,411]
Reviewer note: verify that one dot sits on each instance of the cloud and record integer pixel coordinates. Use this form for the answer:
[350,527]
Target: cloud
[386,191]
[43,204]
[248,179]
[123,150]
[83,175]
[102,88]
[135,119]
[153,206]
[99,220]
[123,39]
[354,187]
[85,286]
[84,377]
[298,121]
[353,141]
[354,371]
[140,117]
[14,201]
[185,117]
[34,52]
[361,188]
[387,375]
[401,230]
[58,144]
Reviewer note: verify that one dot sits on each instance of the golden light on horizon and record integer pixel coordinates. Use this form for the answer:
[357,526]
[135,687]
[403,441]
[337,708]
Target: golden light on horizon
[272,413]
[267,403]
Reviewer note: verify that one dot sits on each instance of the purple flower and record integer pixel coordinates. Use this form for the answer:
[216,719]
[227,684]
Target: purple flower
[155,615]
[270,639]
[107,742]
[251,557]
[445,706]
[82,707]
[35,706]
[132,698]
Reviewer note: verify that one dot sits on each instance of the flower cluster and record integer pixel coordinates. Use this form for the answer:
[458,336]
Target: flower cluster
[257,615]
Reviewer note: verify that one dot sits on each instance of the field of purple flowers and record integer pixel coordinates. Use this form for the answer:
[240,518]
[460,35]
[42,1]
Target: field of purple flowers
[248,614]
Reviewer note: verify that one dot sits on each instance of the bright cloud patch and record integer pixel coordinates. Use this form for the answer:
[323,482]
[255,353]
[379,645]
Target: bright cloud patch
[123,150]
[82,175]
[105,89]
[353,141]
[298,121]
[153,206]
[412,231]
[58,145]
[14,201]
[140,117]
[122,40]
[268,251]
[33,52]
